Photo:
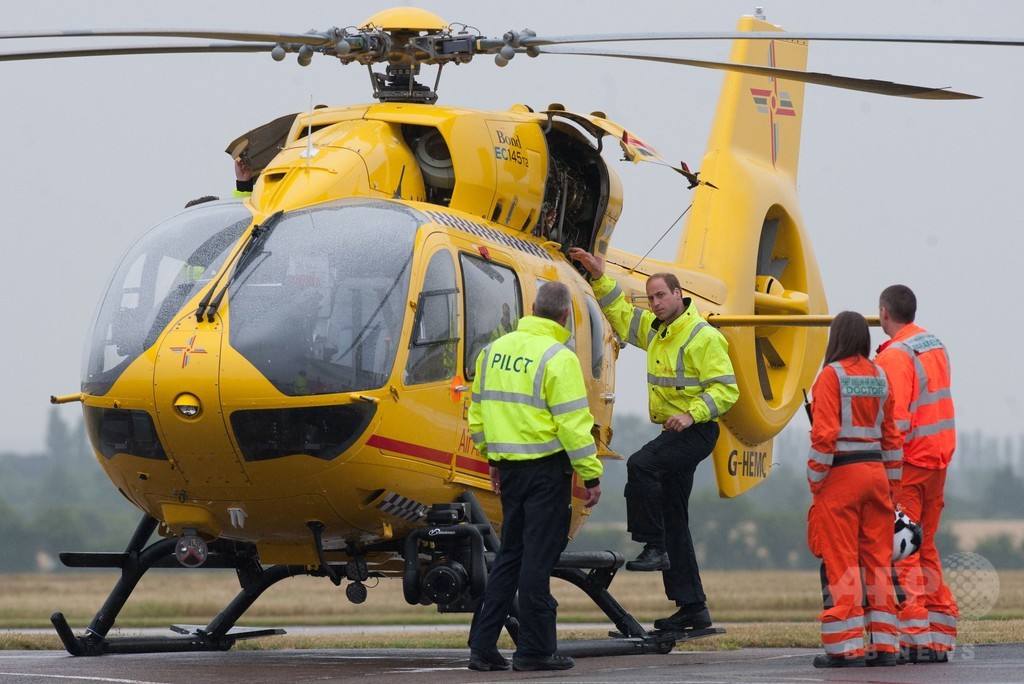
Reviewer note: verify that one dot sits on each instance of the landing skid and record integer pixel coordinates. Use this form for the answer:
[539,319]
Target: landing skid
[591,572]
[137,558]
[656,641]
[631,638]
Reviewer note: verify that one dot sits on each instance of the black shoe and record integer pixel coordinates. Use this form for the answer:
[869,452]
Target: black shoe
[650,559]
[691,616]
[880,659]
[551,662]
[825,660]
[487,662]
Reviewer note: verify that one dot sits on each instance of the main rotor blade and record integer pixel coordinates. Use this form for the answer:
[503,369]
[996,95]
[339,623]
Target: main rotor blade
[764,35]
[817,78]
[136,50]
[299,38]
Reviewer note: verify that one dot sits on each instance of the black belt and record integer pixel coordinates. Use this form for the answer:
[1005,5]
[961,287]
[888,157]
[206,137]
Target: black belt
[526,463]
[859,457]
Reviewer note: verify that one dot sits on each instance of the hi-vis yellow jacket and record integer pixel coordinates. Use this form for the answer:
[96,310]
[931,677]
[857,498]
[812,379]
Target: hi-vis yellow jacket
[530,401]
[688,366]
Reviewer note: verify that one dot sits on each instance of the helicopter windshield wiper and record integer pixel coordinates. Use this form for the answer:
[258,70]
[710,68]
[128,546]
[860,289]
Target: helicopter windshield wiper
[383,300]
[209,304]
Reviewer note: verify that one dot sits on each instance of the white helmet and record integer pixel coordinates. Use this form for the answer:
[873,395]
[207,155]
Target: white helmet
[907,537]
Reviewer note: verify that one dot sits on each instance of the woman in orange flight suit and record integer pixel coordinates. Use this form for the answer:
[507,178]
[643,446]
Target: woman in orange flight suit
[854,469]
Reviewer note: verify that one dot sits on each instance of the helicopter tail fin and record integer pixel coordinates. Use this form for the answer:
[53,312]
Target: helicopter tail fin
[747,227]
[757,115]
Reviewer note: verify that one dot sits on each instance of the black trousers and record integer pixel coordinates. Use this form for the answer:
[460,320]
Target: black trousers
[536,510]
[658,486]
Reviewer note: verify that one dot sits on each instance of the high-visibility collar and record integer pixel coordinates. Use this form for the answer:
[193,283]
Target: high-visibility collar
[536,325]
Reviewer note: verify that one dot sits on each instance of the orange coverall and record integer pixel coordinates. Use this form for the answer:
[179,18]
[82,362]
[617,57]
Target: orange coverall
[853,469]
[917,366]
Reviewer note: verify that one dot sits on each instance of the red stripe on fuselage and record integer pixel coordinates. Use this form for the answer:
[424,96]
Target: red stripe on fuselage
[461,462]
[428,454]
[416,450]
[472,464]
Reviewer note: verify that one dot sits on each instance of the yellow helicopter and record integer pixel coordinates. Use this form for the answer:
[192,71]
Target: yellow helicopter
[280,384]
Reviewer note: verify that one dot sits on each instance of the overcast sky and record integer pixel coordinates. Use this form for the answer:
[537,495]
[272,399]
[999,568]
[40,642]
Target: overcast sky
[96,151]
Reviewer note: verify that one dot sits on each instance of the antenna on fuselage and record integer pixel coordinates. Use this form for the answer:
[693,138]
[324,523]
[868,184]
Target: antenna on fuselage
[656,242]
[310,150]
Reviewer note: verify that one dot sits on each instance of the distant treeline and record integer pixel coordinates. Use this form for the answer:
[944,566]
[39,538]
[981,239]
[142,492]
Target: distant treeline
[61,500]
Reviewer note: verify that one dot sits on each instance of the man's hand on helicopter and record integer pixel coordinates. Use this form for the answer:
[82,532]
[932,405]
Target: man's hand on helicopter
[593,264]
[495,480]
[679,422]
[593,496]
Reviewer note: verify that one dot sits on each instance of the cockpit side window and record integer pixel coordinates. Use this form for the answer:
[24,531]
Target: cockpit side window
[163,270]
[433,346]
[493,305]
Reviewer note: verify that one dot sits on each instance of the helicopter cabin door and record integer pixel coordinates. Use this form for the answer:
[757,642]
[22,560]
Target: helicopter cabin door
[492,301]
[422,429]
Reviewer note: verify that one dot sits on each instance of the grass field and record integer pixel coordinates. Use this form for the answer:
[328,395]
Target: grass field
[767,609]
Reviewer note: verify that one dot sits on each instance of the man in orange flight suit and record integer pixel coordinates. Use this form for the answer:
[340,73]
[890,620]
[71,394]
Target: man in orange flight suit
[917,366]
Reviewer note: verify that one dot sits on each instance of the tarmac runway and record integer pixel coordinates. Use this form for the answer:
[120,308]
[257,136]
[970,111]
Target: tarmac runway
[969,665]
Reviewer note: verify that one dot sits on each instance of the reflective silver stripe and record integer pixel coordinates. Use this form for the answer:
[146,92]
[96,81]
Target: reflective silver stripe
[856,622]
[861,432]
[475,397]
[942,619]
[511,448]
[943,639]
[856,446]
[860,386]
[844,647]
[913,347]
[582,452]
[885,638]
[634,328]
[882,617]
[892,456]
[914,624]
[679,380]
[903,424]
[915,639]
[724,379]
[610,297]
[693,333]
[934,397]
[820,457]
[933,429]
[513,398]
[894,473]
[710,403]
[681,360]
[814,476]
[538,378]
[484,353]
[478,437]
[569,406]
